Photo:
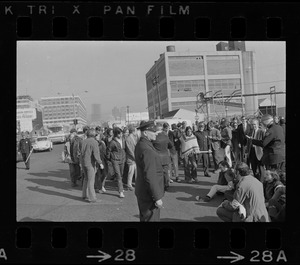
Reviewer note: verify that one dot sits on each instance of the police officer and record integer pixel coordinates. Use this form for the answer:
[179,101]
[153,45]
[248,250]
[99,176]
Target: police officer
[272,143]
[149,184]
[25,148]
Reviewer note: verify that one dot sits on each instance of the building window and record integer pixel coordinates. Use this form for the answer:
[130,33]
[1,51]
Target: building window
[186,65]
[223,65]
[186,88]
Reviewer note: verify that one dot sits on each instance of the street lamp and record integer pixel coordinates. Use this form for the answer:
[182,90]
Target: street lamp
[75,117]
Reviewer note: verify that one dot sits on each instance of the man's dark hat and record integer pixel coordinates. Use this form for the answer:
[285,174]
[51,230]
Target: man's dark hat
[147,126]
[73,130]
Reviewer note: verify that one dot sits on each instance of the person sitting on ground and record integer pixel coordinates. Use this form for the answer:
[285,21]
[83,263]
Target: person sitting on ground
[248,201]
[271,184]
[276,205]
[218,188]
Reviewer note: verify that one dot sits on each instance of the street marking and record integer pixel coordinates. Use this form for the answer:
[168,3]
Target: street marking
[235,258]
[101,257]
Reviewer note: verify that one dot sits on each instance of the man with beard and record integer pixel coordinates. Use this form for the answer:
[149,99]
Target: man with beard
[149,184]
[244,129]
[215,138]
[204,146]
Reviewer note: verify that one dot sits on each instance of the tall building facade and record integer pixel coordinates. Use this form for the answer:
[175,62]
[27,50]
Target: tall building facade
[176,78]
[96,112]
[63,110]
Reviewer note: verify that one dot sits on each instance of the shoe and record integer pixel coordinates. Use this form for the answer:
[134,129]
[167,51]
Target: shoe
[93,201]
[171,181]
[178,180]
[122,195]
[130,188]
[97,190]
[207,175]
[200,199]
[84,198]
[103,190]
[166,188]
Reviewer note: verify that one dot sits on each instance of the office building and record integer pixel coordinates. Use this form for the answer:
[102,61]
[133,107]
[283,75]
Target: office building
[176,78]
[63,110]
[96,113]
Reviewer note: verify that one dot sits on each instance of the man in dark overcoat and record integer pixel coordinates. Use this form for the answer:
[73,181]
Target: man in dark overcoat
[163,144]
[149,184]
[25,148]
[273,144]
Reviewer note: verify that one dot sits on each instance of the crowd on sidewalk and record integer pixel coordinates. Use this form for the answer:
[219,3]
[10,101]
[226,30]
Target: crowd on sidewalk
[248,155]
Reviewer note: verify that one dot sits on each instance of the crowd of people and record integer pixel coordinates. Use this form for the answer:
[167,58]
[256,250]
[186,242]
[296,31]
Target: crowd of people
[248,155]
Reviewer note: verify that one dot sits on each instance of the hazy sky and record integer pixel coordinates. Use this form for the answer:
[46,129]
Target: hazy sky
[113,72]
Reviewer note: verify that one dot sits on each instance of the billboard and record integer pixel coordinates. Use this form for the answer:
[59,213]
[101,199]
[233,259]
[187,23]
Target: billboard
[25,114]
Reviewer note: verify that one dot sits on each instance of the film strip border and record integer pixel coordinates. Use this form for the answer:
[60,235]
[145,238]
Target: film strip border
[148,21]
[163,243]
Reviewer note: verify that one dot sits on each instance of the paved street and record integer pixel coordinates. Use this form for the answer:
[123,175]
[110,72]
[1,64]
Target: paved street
[44,193]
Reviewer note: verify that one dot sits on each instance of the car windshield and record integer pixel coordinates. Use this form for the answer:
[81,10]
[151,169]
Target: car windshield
[42,139]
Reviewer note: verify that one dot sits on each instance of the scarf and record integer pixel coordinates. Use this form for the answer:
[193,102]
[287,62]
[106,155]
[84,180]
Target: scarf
[189,145]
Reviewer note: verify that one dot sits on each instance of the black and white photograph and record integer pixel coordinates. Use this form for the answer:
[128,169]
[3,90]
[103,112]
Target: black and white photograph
[150,131]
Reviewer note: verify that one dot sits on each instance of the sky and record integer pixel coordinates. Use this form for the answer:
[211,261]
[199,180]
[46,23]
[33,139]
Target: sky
[113,72]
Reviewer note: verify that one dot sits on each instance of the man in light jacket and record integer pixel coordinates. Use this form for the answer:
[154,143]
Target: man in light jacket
[130,144]
[90,156]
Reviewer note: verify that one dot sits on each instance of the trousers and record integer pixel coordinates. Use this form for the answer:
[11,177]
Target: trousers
[118,169]
[174,164]
[88,190]
[100,177]
[215,188]
[228,155]
[190,167]
[74,172]
[204,158]
[132,171]
[24,156]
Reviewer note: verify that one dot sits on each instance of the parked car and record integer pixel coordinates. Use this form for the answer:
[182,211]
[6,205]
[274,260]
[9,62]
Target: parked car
[42,143]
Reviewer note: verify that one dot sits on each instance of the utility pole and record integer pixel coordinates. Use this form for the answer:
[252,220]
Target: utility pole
[128,114]
[155,82]
[74,110]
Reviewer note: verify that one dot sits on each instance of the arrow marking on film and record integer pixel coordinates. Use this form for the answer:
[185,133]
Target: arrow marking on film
[234,258]
[101,257]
